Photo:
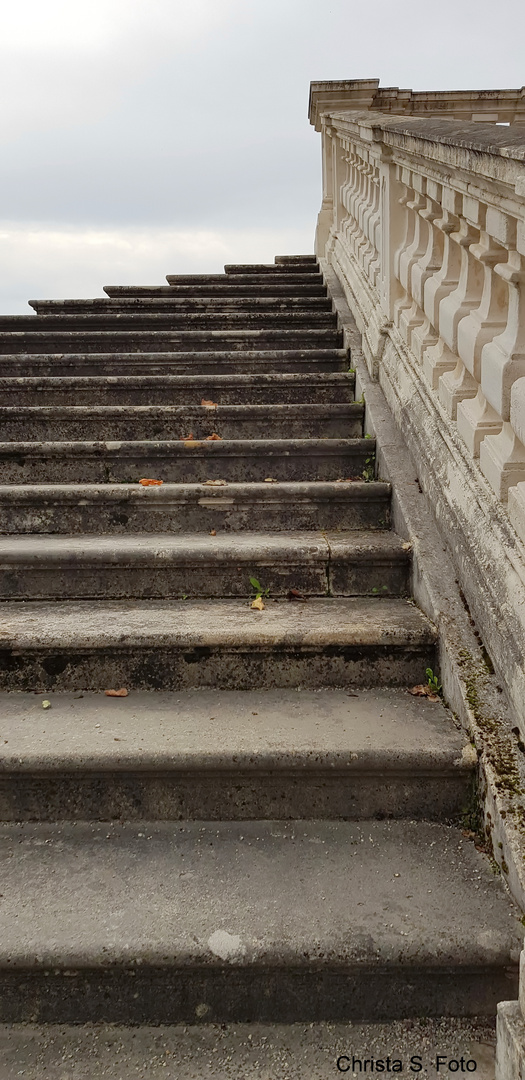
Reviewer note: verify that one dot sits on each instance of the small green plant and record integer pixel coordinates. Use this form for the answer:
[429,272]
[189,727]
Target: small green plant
[184,596]
[432,681]
[260,591]
[384,588]
[369,472]
[369,436]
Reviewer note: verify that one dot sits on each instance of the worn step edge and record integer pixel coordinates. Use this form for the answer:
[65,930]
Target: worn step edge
[307,286]
[213,755]
[182,565]
[60,508]
[167,304]
[280,939]
[224,643]
[168,321]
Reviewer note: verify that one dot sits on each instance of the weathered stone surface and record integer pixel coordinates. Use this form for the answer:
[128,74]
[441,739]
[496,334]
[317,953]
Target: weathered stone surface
[138,422]
[146,565]
[183,460]
[240,1051]
[232,755]
[311,920]
[235,389]
[176,508]
[223,643]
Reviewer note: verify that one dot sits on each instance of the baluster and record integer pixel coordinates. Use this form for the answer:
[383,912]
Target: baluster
[476,417]
[438,358]
[411,254]
[517,492]
[502,457]
[424,335]
[456,385]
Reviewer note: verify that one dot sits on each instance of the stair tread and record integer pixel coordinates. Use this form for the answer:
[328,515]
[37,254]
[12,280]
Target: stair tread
[318,623]
[191,548]
[378,730]
[310,895]
[237,1051]
[291,410]
[261,379]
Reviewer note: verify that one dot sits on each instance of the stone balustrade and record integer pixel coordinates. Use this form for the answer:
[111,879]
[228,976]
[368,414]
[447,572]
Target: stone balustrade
[425,217]
[423,222]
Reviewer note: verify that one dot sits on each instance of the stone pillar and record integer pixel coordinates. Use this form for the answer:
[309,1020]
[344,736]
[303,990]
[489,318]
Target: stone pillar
[510,1046]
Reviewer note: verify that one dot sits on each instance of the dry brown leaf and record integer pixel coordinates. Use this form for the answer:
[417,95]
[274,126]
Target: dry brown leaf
[258,604]
[270,480]
[117,693]
[187,438]
[424,691]
[209,404]
[213,437]
[216,483]
[150,483]
[213,532]
[294,594]
[348,479]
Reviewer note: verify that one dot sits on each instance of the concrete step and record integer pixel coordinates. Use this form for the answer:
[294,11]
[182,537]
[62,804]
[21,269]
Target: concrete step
[139,341]
[192,461]
[214,755]
[288,260]
[223,286]
[182,644]
[181,565]
[271,276]
[213,362]
[176,508]
[234,389]
[131,422]
[244,921]
[145,321]
[305,267]
[120,305]
[244,1051]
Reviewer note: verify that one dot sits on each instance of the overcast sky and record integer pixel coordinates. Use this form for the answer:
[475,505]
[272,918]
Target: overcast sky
[145,137]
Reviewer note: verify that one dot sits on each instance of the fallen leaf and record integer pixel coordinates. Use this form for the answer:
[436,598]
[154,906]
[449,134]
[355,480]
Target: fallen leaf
[213,532]
[270,480]
[294,594]
[46,704]
[216,483]
[187,438]
[209,404]
[150,483]
[258,604]
[424,691]
[213,437]
[117,693]
[348,479]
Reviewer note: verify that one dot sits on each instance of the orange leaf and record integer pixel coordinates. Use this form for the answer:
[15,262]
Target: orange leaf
[213,437]
[117,693]
[209,404]
[187,438]
[213,532]
[150,483]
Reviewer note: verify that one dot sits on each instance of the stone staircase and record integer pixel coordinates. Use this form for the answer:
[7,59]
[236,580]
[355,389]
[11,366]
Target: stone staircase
[268,827]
